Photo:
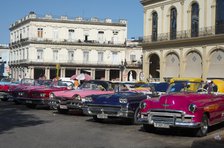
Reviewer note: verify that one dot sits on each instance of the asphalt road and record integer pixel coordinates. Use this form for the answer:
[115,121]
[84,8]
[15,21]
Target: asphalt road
[21,127]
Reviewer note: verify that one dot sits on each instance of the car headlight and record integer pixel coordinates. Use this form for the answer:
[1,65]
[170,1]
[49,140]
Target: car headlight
[51,96]
[76,97]
[192,108]
[88,99]
[123,100]
[20,94]
[142,105]
[42,94]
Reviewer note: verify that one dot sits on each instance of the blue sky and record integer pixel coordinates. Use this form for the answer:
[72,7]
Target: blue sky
[131,10]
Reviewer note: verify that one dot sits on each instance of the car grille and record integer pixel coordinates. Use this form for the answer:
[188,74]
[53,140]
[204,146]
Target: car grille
[35,94]
[169,116]
[104,109]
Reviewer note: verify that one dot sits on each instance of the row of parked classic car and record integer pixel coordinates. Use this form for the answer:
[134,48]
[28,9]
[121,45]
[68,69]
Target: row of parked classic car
[181,103]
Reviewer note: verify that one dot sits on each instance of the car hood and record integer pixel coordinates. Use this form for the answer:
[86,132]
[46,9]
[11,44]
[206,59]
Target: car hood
[177,101]
[82,93]
[113,99]
[43,89]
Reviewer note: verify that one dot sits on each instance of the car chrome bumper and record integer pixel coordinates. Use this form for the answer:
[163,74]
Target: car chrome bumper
[67,104]
[109,111]
[37,101]
[170,118]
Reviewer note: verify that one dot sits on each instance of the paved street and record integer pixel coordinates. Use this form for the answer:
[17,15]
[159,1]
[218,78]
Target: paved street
[21,127]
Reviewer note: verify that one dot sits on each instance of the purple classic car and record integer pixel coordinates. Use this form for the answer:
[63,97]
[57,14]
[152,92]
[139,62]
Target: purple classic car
[186,105]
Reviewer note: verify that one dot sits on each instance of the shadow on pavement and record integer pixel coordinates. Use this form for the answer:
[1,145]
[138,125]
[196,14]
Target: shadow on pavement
[12,116]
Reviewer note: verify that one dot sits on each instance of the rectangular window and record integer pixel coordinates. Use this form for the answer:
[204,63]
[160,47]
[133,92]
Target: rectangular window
[133,58]
[100,57]
[85,56]
[71,55]
[55,34]
[40,32]
[71,33]
[55,55]
[39,54]
[114,58]
[101,36]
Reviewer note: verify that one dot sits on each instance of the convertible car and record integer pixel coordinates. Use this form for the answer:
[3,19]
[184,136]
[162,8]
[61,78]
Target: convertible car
[186,105]
[122,104]
[64,101]
[33,95]
[4,88]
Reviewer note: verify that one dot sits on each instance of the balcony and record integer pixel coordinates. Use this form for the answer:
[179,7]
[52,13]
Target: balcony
[25,41]
[185,37]
[70,63]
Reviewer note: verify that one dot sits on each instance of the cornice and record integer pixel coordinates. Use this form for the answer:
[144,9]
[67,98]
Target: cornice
[200,41]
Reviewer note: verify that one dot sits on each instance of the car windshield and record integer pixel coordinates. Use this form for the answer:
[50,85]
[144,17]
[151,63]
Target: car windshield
[184,86]
[94,85]
[26,81]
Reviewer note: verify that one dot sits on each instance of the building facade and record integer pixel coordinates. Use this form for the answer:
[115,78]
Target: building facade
[183,38]
[45,45]
[4,59]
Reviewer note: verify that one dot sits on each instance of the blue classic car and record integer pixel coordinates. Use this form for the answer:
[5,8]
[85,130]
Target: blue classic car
[123,104]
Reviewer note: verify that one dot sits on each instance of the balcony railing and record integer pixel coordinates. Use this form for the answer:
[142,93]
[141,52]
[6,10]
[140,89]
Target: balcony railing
[184,34]
[71,62]
[66,41]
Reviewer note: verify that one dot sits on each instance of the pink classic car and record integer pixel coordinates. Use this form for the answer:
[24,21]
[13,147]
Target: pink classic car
[64,101]
[186,105]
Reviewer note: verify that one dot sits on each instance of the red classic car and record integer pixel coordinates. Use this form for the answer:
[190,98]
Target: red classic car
[33,96]
[185,105]
[25,84]
[5,85]
[64,101]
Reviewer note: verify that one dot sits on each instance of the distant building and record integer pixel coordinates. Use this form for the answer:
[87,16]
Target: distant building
[183,38]
[4,58]
[77,45]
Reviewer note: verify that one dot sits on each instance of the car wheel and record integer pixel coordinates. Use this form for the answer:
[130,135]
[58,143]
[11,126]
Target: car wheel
[203,130]
[31,106]
[148,128]
[136,116]
[63,111]
[97,119]
[4,98]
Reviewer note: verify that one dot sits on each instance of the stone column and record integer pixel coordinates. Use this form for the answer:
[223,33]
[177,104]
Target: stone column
[47,72]
[182,63]
[77,71]
[32,72]
[145,65]
[93,73]
[107,74]
[62,73]
[205,63]
[161,66]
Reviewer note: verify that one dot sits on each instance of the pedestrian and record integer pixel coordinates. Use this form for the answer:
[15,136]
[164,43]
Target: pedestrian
[76,83]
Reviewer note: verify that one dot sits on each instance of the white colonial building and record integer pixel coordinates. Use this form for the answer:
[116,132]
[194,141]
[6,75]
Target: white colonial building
[77,45]
[183,38]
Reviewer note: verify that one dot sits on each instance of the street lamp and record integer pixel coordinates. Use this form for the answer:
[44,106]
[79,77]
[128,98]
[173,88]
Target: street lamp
[122,67]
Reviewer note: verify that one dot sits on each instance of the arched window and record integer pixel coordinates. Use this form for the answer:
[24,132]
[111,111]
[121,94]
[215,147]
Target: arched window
[154,26]
[173,23]
[194,20]
[219,16]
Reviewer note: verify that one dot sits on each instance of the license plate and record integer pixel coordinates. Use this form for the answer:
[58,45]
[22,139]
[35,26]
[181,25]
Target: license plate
[161,125]
[102,116]
[28,101]
[63,107]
